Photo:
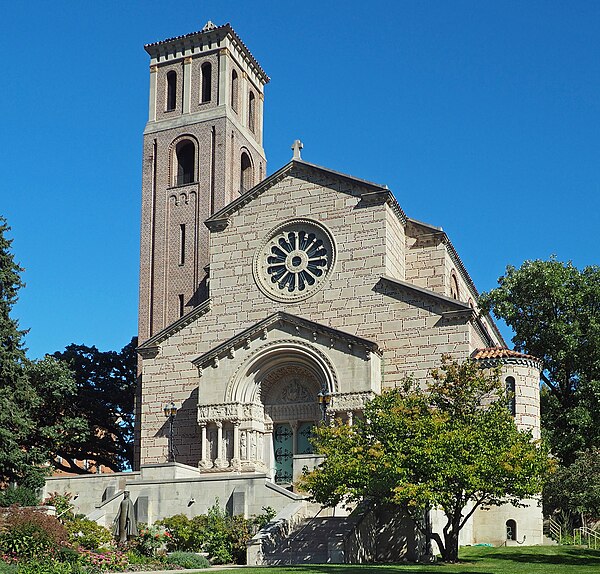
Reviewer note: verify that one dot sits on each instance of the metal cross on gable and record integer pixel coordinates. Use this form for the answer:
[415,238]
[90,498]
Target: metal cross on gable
[296,147]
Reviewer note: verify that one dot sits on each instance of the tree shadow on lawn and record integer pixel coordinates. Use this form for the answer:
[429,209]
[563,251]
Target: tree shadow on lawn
[387,568]
[566,557]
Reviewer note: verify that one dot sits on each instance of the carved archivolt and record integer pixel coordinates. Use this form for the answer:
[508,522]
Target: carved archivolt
[264,365]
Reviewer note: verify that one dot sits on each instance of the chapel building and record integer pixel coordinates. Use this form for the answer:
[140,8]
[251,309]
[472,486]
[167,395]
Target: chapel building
[260,294]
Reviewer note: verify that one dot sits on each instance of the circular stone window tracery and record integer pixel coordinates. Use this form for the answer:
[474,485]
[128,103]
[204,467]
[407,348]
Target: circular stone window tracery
[294,260]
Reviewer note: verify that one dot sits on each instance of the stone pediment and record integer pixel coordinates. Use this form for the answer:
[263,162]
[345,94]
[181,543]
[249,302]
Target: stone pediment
[298,325]
[369,193]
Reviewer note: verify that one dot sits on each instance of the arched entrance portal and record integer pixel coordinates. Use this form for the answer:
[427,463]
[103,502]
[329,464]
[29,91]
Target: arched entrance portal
[289,396]
[276,388]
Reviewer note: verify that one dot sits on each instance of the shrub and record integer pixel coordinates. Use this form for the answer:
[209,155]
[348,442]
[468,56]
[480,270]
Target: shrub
[134,557]
[28,533]
[102,561]
[88,534]
[222,536]
[188,560]
[20,495]
[50,567]
[65,510]
[152,540]
[183,531]
[261,520]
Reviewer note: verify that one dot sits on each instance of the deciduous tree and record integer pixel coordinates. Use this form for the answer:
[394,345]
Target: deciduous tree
[452,446]
[106,382]
[554,311]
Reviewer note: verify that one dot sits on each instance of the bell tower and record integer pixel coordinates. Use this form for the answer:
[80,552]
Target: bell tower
[202,149]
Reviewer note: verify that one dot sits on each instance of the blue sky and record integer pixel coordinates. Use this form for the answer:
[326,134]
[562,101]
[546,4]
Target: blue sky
[482,117]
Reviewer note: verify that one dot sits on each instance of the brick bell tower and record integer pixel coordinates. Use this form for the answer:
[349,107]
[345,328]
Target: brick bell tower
[202,149]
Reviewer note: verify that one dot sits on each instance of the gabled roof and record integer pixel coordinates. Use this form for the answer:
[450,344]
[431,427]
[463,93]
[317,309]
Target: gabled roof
[210,31]
[259,330]
[150,347]
[373,192]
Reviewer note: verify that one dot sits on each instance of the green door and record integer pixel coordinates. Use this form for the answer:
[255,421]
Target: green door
[305,431]
[283,446]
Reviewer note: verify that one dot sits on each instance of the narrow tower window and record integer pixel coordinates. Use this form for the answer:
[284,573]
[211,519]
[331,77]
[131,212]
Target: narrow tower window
[186,161]
[171,91]
[246,179]
[181,243]
[206,82]
[511,402]
[181,304]
[234,91]
[251,111]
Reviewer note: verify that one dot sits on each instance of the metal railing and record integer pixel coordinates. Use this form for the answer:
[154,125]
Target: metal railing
[586,536]
[554,530]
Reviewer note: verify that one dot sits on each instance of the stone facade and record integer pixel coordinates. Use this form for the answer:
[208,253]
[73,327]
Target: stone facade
[311,282]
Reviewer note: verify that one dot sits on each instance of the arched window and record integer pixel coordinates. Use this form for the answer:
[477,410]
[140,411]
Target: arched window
[251,111]
[206,94]
[511,530]
[171,91]
[186,162]
[246,176]
[234,91]
[511,402]
[454,285]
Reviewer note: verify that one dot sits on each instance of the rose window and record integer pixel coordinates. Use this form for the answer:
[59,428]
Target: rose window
[295,260]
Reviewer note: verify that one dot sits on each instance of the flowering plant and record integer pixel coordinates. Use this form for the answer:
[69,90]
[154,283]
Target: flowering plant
[152,540]
[102,561]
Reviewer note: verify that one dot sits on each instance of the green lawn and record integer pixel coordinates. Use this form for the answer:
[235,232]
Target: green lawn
[480,560]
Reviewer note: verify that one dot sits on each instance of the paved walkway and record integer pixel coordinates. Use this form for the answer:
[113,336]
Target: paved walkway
[191,571]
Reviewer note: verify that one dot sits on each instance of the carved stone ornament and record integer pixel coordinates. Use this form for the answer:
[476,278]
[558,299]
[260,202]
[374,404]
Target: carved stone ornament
[294,260]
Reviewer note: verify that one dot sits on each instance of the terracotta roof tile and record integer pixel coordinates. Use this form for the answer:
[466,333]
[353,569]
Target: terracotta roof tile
[500,353]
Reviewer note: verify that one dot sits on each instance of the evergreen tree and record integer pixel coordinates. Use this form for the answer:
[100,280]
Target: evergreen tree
[33,394]
[17,397]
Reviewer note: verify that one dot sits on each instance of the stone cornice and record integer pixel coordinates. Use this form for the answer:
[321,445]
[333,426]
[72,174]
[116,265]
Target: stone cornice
[260,329]
[385,196]
[149,349]
[203,37]
[219,220]
[456,306]
[527,362]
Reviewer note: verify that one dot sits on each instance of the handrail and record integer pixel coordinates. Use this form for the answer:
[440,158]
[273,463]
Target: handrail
[587,534]
[555,530]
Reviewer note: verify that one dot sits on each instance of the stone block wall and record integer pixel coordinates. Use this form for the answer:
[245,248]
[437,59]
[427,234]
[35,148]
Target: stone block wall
[407,326]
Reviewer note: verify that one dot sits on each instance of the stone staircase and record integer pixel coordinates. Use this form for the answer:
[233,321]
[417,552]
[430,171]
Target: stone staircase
[317,540]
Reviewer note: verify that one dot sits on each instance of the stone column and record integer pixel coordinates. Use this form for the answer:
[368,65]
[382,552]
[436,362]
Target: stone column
[204,461]
[187,84]
[350,417]
[270,458]
[224,78]
[152,102]
[219,461]
[235,460]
